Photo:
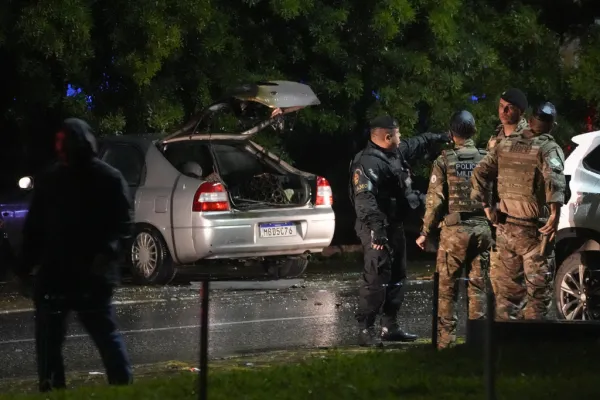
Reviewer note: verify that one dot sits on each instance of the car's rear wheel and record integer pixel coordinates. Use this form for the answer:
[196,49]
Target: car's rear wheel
[151,263]
[577,290]
[291,267]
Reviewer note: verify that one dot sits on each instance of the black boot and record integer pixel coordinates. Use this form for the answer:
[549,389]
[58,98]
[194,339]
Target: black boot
[393,333]
[368,337]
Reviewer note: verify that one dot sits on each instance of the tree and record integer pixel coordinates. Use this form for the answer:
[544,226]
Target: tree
[146,66]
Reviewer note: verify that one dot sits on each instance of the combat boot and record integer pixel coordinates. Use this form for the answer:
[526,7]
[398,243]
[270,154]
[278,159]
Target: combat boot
[393,333]
[368,337]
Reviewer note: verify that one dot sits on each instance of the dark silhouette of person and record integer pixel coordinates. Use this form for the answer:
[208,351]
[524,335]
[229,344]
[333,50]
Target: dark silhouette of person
[78,221]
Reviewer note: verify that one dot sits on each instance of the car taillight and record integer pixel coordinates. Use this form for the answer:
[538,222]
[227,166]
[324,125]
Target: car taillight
[211,196]
[324,192]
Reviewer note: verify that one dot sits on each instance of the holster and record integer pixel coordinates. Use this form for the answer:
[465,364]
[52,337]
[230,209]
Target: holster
[501,217]
[456,218]
[452,219]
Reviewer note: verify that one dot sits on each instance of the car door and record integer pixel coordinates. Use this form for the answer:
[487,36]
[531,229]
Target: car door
[13,211]
[129,160]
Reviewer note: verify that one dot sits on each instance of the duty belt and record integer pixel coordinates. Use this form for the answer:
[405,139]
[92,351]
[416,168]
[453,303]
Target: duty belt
[456,218]
[505,218]
[468,215]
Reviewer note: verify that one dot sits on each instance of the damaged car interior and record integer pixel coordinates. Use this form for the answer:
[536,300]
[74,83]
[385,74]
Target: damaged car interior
[253,179]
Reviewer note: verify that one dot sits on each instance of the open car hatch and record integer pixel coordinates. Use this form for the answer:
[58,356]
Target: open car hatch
[248,109]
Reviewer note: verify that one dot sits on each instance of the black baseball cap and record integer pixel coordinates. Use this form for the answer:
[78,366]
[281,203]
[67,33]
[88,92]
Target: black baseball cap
[516,97]
[384,122]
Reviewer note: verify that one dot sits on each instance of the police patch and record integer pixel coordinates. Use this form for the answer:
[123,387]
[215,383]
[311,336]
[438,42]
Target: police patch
[555,163]
[356,176]
[464,169]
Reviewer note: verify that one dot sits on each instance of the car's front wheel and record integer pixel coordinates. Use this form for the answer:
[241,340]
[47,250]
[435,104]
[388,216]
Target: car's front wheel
[151,263]
[577,290]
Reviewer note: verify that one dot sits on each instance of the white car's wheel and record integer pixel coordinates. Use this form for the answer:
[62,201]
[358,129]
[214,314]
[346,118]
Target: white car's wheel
[151,263]
[577,290]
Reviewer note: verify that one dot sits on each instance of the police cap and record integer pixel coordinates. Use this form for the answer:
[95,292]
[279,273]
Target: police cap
[516,97]
[462,124]
[384,122]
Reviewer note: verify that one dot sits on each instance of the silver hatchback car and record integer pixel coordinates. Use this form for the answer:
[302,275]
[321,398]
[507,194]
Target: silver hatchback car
[208,192]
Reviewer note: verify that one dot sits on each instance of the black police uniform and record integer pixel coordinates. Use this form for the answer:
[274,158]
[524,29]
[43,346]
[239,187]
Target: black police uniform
[380,189]
[78,220]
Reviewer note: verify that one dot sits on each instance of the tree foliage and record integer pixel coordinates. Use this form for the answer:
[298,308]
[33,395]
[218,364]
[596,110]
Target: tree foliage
[146,66]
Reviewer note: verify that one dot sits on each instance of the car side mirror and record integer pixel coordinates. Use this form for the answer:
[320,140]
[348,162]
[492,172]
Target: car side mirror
[26,183]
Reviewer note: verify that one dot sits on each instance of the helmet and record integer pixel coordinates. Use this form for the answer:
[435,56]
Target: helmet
[462,124]
[192,168]
[543,118]
[545,112]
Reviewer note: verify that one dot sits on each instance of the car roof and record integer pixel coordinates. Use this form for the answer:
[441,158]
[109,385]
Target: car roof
[145,140]
[585,137]
[141,141]
[129,138]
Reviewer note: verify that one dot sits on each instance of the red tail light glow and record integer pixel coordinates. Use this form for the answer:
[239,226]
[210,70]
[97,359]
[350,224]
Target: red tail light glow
[324,192]
[211,196]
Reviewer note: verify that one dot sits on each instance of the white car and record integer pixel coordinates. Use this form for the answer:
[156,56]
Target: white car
[577,279]
[208,192]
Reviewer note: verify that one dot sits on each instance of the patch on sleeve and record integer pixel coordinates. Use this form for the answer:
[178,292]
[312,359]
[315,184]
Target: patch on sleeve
[360,182]
[433,179]
[555,163]
[356,177]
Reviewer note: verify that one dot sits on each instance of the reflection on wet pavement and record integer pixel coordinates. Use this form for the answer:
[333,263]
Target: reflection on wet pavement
[334,274]
[321,314]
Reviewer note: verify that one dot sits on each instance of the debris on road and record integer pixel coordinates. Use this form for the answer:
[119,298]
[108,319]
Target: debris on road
[251,285]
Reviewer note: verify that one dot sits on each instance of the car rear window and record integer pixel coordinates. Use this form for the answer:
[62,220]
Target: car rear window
[233,160]
[179,153]
[592,160]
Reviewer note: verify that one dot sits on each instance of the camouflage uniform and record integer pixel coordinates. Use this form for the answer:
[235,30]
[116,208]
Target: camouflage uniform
[494,140]
[499,133]
[529,171]
[465,237]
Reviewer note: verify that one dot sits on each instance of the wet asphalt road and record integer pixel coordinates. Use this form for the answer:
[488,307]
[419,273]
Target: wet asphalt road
[162,324]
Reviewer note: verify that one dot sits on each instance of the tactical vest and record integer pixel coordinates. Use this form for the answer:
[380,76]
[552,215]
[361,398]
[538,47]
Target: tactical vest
[517,169]
[460,164]
[494,140]
[394,193]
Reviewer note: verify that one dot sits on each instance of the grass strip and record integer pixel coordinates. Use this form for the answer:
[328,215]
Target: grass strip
[524,372]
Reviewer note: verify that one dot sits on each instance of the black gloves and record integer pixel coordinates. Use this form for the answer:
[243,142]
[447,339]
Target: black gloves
[379,238]
[438,137]
[445,137]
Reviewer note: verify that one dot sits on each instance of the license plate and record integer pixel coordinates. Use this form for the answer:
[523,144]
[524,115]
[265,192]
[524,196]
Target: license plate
[280,229]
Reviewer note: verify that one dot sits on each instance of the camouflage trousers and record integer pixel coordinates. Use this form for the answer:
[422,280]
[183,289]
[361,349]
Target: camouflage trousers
[520,276]
[464,246]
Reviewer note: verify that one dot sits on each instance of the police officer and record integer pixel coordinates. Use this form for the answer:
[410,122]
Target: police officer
[381,192]
[511,108]
[78,220]
[529,171]
[465,237]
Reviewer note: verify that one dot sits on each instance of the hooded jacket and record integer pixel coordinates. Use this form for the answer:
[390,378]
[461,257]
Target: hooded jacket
[79,217]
